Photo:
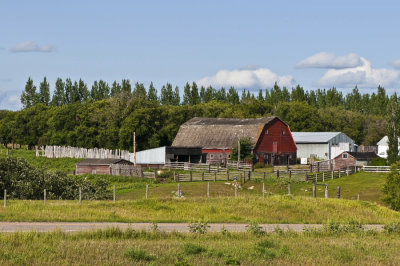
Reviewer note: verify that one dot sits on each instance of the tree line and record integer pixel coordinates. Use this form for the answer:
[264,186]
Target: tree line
[109,121]
[68,92]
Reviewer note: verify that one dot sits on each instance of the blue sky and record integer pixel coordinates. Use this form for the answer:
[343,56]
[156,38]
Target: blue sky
[248,44]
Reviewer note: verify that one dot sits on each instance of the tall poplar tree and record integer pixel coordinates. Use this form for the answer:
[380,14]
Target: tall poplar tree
[44,92]
[187,94]
[152,93]
[29,96]
[393,120]
[126,86]
[59,93]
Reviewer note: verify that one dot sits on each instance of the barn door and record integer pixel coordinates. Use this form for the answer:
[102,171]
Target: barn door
[275,147]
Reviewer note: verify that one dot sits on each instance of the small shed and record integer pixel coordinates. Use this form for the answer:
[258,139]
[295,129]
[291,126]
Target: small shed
[351,159]
[99,166]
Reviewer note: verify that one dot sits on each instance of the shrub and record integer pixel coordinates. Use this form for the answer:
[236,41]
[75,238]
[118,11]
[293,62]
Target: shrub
[200,228]
[23,181]
[391,189]
[392,228]
[138,254]
[193,249]
[378,161]
[254,228]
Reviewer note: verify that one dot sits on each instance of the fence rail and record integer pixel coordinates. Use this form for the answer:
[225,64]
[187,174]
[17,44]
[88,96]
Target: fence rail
[376,169]
[203,167]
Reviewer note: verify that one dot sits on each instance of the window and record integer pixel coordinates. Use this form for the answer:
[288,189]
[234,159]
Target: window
[229,156]
[344,155]
[220,156]
[266,132]
[211,156]
[283,133]
[93,171]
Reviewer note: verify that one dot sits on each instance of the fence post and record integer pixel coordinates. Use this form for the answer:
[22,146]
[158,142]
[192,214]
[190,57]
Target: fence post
[339,172]
[179,190]
[44,196]
[209,167]
[190,175]
[114,193]
[264,176]
[326,192]
[288,188]
[263,190]
[5,198]
[290,174]
[227,174]
[147,190]
[277,173]
[249,175]
[338,193]
[323,176]
[316,177]
[314,190]
[202,176]
[208,189]
[332,174]
[80,195]
[215,176]
[235,190]
[174,176]
[358,196]
[347,171]
[241,181]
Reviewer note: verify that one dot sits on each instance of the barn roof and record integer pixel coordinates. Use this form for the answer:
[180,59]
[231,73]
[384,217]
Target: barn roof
[219,133]
[363,155]
[313,137]
[103,161]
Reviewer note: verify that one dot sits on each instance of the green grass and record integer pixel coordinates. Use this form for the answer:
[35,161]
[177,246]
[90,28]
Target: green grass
[116,247]
[53,164]
[271,209]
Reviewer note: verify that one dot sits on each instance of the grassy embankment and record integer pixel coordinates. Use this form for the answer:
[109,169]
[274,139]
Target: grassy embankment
[271,209]
[117,247]
[53,164]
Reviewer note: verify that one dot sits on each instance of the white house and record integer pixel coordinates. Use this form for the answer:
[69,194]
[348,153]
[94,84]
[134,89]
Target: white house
[322,145]
[383,146]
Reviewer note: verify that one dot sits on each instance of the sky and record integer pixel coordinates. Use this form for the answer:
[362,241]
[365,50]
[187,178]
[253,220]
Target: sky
[245,44]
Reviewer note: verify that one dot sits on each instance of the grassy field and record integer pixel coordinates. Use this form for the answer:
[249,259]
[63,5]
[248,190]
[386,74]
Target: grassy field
[367,185]
[115,247]
[53,164]
[271,209]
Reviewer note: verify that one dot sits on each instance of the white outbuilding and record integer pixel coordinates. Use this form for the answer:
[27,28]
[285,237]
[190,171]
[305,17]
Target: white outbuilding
[383,146]
[322,145]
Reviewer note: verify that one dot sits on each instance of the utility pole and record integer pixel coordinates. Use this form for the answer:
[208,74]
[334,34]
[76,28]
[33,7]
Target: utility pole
[134,148]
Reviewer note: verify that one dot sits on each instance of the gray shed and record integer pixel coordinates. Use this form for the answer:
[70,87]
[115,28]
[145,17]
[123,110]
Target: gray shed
[322,145]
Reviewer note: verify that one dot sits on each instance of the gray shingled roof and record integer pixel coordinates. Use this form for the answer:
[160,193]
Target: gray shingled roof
[313,137]
[219,133]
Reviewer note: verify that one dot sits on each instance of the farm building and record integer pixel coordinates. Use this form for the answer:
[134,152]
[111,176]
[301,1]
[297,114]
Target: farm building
[322,145]
[162,155]
[350,159]
[99,166]
[383,146]
[271,139]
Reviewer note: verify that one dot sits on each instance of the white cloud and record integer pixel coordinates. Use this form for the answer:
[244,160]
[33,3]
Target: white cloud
[363,76]
[395,64]
[10,100]
[31,47]
[249,78]
[328,60]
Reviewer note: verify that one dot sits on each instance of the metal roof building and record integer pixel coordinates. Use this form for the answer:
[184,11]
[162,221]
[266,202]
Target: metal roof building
[322,145]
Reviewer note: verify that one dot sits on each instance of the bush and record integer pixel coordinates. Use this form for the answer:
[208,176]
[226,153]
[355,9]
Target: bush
[192,249]
[391,189]
[138,254]
[392,228]
[378,161]
[254,228]
[200,228]
[24,181]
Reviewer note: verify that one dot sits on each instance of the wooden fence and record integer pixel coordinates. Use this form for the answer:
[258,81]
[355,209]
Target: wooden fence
[243,176]
[203,167]
[130,170]
[376,169]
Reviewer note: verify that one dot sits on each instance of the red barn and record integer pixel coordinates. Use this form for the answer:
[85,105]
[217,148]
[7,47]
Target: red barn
[270,137]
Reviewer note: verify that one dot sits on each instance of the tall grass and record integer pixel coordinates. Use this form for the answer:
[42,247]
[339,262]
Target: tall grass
[271,209]
[117,247]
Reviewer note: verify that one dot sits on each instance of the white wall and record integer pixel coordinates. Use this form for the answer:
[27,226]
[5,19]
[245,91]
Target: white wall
[321,151]
[151,156]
